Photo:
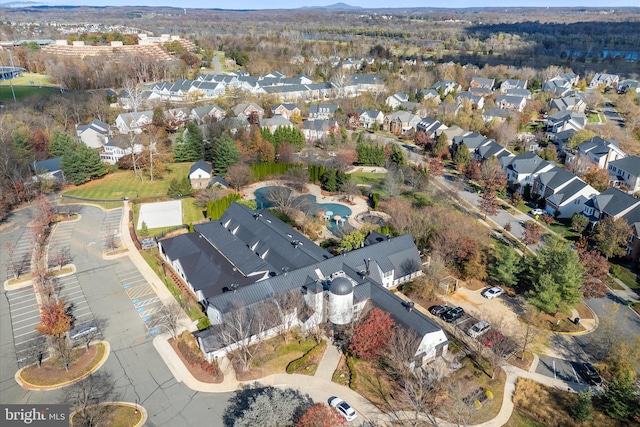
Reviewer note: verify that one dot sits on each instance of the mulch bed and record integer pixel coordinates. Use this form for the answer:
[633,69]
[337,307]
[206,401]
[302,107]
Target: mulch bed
[52,372]
[197,372]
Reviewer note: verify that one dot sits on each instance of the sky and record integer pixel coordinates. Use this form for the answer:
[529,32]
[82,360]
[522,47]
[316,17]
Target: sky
[292,4]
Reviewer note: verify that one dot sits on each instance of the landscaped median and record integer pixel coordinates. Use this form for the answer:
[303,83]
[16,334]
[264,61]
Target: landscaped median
[51,374]
[121,414]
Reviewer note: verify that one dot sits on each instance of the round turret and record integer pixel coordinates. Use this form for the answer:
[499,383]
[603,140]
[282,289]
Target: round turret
[341,286]
[340,301]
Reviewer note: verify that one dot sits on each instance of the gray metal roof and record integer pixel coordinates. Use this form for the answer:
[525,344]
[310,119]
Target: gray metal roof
[341,286]
[613,201]
[630,164]
[200,164]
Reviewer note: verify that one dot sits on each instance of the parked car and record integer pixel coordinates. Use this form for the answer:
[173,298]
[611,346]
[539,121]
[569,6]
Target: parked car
[491,293]
[82,331]
[453,314]
[478,329]
[439,310]
[538,212]
[590,375]
[343,408]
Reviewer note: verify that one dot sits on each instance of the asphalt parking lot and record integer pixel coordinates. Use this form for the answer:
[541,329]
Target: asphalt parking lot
[25,316]
[564,370]
[110,232]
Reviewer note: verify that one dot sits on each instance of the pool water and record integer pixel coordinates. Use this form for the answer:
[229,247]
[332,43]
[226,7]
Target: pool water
[308,204]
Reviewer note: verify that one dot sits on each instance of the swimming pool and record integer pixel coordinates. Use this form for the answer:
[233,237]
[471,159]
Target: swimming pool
[306,203]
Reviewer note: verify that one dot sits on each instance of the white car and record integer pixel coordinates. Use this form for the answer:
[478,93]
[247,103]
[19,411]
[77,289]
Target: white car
[343,408]
[538,212]
[478,329]
[491,293]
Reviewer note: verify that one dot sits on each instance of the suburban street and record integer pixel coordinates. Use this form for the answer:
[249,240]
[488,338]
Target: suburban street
[99,288]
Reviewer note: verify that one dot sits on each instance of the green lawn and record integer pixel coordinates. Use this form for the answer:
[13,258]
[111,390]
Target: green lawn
[121,184]
[22,92]
[369,178]
[596,118]
[561,227]
[27,78]
[628,277]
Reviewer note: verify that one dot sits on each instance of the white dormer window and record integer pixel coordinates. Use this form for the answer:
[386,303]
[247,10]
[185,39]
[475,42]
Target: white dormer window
[255,245]
[226,224]
[235,230]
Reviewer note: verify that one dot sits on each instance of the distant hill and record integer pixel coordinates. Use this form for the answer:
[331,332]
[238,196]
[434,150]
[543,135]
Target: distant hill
[21,4]
[335,6]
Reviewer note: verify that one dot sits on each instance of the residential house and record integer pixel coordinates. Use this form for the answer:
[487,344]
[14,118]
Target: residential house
[314,130]
[626,85]
[481,91]
[493,149]
[430,127]
[398,99]
[610,80]
[370,117]
[571,103]
[286,110]
[120,146]
[523,169]
[247,259]
[176,117]
[207,113]
[499,114]
[601,151]
[49,169]
[510,102]
[134,121]
[356,84]
[626,172]
[218,181]
[509,84]
[467,98]
[558,87]
[448,108]
[525,93]
[451,132]
[566,120]
[446,87]
[472,140]
[481,82]
[612,202]
[430,94]
[400,122]
[246,109]
[94,134]
[200,174]
[275,122]
[563,192]
[322,111]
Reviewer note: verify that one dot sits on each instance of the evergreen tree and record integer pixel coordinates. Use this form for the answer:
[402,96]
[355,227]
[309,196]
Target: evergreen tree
[60,143]
[621,399]
[226,153]
[370,155]
[397,155]
[507,267]
[21,147]
[179,187]
[582,409]
[328,180]
[556,275]
[82,164]
[189,145]
[462,156]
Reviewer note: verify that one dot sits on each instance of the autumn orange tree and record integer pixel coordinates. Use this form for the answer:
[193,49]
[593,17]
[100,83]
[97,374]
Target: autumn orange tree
[371,337]
[55,322]
[320,415]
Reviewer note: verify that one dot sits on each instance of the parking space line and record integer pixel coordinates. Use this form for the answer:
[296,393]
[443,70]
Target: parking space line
[27,319]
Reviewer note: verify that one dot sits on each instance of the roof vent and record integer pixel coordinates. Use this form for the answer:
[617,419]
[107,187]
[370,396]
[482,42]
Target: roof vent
[409,305]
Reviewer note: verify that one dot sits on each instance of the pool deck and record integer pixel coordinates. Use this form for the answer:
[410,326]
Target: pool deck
[359,204]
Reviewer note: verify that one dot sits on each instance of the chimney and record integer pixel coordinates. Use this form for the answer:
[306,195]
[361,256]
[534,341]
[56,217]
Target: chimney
[367,263]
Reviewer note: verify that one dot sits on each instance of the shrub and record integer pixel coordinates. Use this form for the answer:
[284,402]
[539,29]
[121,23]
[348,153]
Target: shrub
[302,362]
[203,323]
[489,395]
[351,362]
[477,404]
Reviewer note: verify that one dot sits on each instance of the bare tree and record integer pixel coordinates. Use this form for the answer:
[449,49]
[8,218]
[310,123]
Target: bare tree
[209,194]
[60,256]
[170,318]
[286,305]
[297,177]
[281,197]
[239,175]
[87,397]
[16,264]
[135,94]
[32,351]
[242,332]
[528,335]
[350,189]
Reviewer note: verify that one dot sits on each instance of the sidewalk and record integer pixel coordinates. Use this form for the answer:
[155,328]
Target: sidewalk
[150,276]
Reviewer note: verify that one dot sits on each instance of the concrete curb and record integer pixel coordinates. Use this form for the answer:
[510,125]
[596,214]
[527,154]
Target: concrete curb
[140,408]
[28,386]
